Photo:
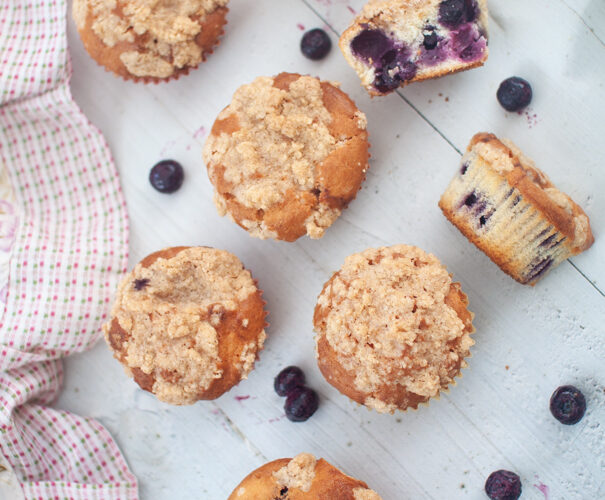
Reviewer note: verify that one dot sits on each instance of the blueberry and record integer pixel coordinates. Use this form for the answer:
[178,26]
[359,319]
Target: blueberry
[430,40]
[470,200]
[301,403]
[139,284]
[452,12]
[503,485]
[371,45]
[394,68]
[514,93]
[288,379]
[315,44]
[568,405]
[167,176]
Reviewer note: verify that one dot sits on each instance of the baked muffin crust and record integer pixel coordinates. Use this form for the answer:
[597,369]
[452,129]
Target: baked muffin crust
[301,478]
[287,156]
[392,328]
[149,39]
[187,323]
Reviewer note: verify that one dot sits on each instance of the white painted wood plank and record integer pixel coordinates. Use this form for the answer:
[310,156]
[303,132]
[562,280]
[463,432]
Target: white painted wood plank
[547,43]
[495,417]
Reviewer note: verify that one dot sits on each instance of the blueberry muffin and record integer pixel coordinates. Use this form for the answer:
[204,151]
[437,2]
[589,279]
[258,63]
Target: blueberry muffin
[301,478]
[147,40]
[187,323]
[287,156]
[511,211]
[392,328]
[395,42]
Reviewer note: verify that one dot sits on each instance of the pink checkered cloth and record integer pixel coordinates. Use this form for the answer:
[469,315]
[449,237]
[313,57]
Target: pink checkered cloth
[63,247]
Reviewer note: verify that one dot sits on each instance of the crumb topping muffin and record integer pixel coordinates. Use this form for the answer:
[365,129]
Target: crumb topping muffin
[301,478]
[151,40]
[392,328]
[395,42]
[287,156]
[187,323]
[511,210]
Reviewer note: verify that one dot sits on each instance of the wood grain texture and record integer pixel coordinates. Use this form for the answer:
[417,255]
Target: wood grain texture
[528,340]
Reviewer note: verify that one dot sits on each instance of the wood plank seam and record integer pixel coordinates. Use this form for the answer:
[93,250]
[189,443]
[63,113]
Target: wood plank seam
[443,136]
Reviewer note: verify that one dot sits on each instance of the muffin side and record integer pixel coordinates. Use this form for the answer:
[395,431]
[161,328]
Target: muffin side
[287,156]
[511,211]
[187,323]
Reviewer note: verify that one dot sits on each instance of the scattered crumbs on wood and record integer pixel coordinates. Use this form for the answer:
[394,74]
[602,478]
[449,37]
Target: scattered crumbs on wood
[158,436]
[397,136]
[76,389]
[447,99]
[506,367]
[430,101]
[398,420]
[349,444]
[462,486]
[466,472]
[440,94]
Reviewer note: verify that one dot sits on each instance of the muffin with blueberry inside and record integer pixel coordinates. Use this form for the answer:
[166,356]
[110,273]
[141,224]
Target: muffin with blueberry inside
[150,41]
[511,211]
[395,42]
[301,478]
[287,156]
[187,323]
[393,328]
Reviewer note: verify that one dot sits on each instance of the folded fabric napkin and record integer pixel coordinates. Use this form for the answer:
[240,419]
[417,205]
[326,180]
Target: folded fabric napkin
[63,248]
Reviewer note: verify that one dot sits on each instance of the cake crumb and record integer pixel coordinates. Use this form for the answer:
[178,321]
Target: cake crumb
[299,473]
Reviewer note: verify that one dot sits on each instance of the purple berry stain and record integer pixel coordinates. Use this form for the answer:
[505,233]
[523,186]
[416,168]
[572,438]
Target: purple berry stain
[139,284]
[542,488]
[167,176]
[289,378]
[315,44]
[301,404]
[514,93]
[568,404]
[503,485]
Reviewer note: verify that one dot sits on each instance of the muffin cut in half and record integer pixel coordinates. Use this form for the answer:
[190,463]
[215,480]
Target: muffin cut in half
[287,156]
[395,42]
[150,40]
[392,327]
[511,211]
[187,323]
[301,478]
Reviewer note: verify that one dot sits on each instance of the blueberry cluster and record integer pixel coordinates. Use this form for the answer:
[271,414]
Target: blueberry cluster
[301,401]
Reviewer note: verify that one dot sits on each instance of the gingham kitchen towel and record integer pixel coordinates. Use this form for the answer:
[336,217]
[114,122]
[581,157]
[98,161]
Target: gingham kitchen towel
[63,247]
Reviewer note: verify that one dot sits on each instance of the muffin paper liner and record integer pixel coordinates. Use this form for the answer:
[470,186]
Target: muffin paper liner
[500,222]
[63,248]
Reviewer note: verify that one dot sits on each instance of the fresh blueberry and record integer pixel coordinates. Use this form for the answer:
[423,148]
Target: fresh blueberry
[167,176]
[503,485]
[568,405]
[514,93]
[452,12]
[301,403]
[315,44]
[430,40]
[288,379]
[371,45]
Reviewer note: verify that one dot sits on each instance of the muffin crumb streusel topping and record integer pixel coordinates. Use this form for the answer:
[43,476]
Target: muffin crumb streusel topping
[265,151]
[299,473]
[385,316]
[166,29]
[171,310]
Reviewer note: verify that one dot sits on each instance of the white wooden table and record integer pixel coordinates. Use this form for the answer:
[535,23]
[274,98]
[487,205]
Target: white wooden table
[528,340]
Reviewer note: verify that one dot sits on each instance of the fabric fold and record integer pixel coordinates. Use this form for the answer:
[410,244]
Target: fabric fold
[63,248]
